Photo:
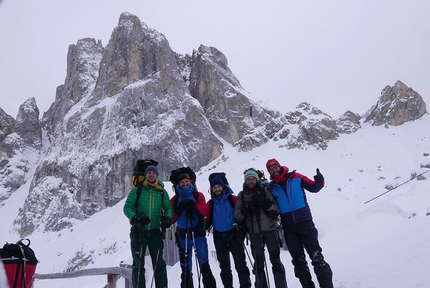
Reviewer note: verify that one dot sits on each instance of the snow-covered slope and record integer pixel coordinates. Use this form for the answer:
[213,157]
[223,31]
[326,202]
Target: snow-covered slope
[384,243]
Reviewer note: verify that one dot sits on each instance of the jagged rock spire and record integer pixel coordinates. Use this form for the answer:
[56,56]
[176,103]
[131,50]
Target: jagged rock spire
[397,105]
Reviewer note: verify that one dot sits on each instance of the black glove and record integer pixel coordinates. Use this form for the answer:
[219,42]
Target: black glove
[273,214]
[259,201]
[165,222]
[319,178]
[245,210]
[240,233]
[187,204]
[142,220]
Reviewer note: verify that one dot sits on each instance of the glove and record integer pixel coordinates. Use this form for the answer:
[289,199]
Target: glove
[142,220]
[259,201]
[240,233]
[166,222]
[273,214]
[187,205]
[245,210]
[319,178]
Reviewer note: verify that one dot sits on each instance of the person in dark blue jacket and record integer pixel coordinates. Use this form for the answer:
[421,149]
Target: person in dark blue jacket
[227,237]
[288,188]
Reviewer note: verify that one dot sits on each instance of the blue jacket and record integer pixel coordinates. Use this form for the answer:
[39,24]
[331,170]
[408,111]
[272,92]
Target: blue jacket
[291,197]
[186,225]
[222,217]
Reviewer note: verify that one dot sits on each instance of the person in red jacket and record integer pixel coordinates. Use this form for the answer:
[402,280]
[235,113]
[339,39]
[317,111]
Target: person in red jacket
[288,188]
[190,212]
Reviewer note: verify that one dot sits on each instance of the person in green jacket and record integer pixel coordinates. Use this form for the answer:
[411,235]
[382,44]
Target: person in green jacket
[148,212]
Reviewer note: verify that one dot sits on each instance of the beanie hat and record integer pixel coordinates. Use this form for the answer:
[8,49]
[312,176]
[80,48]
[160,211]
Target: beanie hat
[183,176]
[151,168]
[272,162]
[216,181]
[251,173]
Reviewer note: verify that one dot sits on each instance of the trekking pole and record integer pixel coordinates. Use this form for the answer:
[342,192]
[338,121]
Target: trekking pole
[262,247]
[163,235]
[140,263]
[186,252]
[195,254]
[243,245]
[254,253]
[395,187]
[247,254]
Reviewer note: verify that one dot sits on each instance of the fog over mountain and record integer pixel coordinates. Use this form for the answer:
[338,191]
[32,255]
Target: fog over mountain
[68,172]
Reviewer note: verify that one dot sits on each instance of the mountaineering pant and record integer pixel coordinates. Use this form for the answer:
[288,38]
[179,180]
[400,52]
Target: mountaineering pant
[153,240]
[270,238]
[226,243]
[185,259]
[303,236]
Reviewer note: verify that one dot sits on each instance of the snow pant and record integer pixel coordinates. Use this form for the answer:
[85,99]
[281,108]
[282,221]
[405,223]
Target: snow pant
[303,236]
[226,243]
[200,246]
[140,239]
[270,239]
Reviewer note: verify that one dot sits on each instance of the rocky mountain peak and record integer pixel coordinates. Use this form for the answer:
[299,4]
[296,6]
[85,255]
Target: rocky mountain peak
[398,104]
[6,124]
[20,149]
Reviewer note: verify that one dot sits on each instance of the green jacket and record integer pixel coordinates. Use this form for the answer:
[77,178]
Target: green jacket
[151,203]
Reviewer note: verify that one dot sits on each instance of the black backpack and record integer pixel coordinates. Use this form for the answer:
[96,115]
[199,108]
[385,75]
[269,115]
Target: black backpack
[139,170]
[139,176]
[219,175]
[174,175]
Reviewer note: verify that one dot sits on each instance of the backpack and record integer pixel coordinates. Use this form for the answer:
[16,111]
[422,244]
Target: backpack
[263,179]
[219,175]
[139,176]
[19,263]
[222,176]
[174,175]
[139,170]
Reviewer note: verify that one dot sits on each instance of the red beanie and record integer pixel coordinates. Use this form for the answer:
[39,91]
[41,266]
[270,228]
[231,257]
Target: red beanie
[272,162]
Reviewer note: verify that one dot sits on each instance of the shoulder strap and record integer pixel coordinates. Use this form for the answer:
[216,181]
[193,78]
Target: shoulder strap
[230,199]
[211,209]
[138,192]
[175,203]
[263,191]
[195,194]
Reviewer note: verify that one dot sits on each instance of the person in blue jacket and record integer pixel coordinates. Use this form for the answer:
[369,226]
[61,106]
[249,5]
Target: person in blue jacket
[288,188]
[228,238]
[189,212]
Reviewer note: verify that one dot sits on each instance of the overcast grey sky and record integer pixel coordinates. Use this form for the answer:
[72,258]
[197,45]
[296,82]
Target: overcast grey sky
[337,55]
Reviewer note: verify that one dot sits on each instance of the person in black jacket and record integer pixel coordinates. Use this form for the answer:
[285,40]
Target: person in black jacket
[288,188]
[257,206]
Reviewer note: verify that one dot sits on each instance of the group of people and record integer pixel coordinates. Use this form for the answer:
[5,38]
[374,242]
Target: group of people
[254,212]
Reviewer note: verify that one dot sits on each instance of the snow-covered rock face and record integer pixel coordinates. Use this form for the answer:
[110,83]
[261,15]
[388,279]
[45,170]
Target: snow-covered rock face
[234,117]
[397,105]
[6,124]
[134,104]
[136,98]
[19,150]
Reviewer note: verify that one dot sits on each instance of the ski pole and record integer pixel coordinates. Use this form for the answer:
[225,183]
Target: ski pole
[249,257]
[163,233]
[140,262]
[186,254]
[195,254]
